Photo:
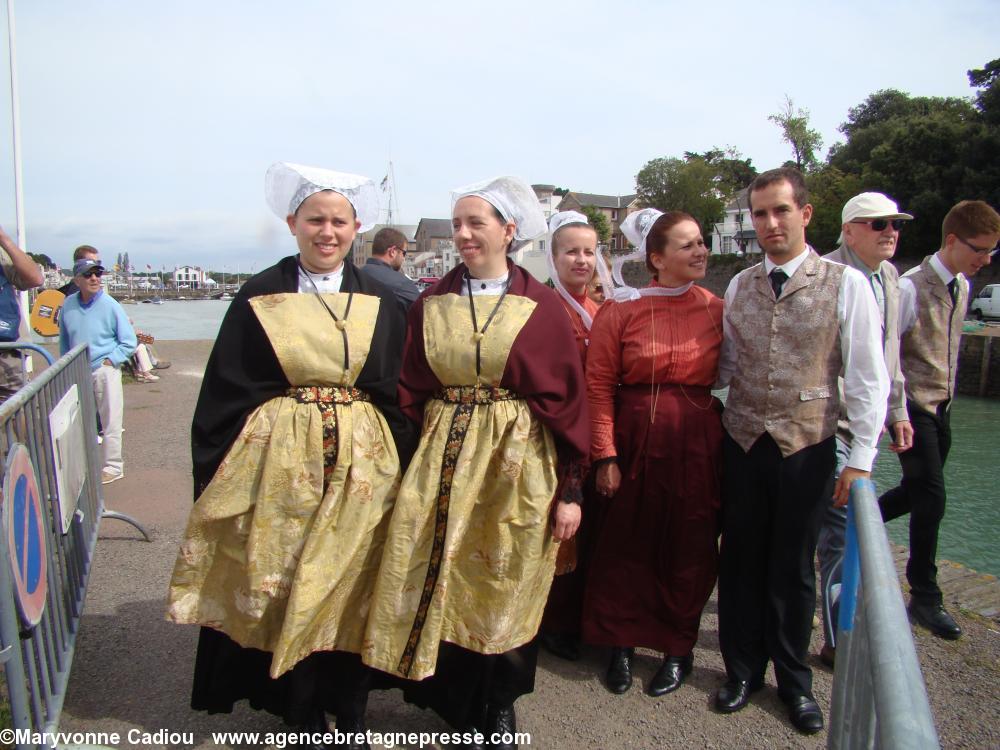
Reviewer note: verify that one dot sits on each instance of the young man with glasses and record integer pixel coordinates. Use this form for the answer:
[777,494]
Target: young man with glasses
[932,305]
[388,254]
[871,223]
[95,318]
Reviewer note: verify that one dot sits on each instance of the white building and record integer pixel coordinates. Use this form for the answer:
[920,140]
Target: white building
[189,277]
[735,233]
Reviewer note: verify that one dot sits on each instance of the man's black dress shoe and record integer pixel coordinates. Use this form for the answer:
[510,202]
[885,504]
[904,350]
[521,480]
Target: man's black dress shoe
[805,714]
[501,721]
[619,677]
[735,695]
[935,619]
[670,675]
[562,645]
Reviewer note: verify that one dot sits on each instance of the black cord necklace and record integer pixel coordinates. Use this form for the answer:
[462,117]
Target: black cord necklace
[341,323]
[478,334]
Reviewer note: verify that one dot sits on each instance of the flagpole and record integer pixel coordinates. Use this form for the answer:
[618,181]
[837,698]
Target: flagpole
[15,118]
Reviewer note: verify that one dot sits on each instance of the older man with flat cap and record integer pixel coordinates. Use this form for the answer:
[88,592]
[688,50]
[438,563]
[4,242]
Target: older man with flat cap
[868,240]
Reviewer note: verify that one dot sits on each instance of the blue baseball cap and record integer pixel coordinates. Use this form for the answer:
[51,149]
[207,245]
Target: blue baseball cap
[86,264]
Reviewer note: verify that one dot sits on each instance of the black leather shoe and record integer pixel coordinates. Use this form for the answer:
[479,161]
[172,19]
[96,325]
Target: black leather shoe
[562,645]
[471,733]
[670,675]
[356,726]
[935,619]
[805,714]
[501,721]
[619,677]
[735,695]
[315,726]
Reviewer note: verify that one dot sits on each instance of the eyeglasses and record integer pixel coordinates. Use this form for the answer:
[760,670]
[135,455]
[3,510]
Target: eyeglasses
[879,225]
[979,250]
[90,274]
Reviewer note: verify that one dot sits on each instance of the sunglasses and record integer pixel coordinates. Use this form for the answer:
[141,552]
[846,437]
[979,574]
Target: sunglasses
[979,250]
[91,274]
[879,225]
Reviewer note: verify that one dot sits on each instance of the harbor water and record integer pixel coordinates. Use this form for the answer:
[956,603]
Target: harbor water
[969,532]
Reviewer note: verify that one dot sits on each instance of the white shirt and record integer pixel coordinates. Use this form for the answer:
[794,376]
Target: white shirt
[484,286]
[323,283]
[908,292]
[866,380]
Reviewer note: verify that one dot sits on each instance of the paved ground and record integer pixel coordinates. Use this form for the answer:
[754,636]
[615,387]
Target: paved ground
[132,669]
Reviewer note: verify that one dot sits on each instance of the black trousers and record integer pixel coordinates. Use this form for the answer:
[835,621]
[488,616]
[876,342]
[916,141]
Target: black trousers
[921,493]
[772,508]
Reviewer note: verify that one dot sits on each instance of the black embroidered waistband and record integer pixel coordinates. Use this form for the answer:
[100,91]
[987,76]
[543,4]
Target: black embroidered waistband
[474,394]
[327,394]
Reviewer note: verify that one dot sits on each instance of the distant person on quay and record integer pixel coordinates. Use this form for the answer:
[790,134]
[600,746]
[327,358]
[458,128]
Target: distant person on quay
[297,445]
[18,272]
[144,361]
[93,317]
[932,306]
[386,263]
[870,228]
[656,443]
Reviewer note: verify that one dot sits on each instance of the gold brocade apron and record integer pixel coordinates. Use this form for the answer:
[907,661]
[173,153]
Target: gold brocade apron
[470,556]
[282,547]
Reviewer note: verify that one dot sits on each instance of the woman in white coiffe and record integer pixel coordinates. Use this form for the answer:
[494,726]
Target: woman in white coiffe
[297,446]
[492,374]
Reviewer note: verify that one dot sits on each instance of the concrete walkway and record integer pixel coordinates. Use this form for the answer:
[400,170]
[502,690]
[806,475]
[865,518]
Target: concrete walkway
[132,669]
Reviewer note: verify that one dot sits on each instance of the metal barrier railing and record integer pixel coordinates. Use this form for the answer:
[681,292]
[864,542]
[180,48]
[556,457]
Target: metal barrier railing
[46,553]
[879,696]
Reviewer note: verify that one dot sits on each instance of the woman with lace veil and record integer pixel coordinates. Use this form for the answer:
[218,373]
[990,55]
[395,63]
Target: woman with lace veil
[492,373]
[656,440]
[297,444]
[572,264]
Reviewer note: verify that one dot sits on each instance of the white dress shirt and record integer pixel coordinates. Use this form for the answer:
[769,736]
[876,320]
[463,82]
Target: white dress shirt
[908,292]
[322,283]
[866,380]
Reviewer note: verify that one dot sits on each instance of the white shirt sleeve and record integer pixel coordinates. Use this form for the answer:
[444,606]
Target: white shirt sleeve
[907,305]
[866,380]
[727,357]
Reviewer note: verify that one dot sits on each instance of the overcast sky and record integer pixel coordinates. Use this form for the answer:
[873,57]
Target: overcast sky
[147,126]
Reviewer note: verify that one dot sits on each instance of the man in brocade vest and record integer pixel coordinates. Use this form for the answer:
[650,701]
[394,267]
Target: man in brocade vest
[869,237]
[793,325]
[932,302]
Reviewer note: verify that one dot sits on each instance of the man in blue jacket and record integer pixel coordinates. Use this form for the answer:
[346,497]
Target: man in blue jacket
[94,318]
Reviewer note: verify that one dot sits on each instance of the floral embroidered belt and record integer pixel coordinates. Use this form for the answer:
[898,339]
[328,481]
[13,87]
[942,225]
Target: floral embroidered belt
[474,394]
[327,394]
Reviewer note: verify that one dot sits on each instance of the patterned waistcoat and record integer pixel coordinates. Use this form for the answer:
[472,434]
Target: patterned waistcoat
[788,357]
[929,350]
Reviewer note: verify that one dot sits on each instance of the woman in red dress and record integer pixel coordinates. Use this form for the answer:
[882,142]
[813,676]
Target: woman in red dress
[656,436]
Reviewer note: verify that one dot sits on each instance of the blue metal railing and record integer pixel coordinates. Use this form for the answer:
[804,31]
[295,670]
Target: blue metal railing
[879,696]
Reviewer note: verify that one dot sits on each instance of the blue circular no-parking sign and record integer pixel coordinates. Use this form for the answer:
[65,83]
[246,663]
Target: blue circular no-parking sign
[25,527]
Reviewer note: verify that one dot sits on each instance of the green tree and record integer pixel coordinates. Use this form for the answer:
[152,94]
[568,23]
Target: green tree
[690,184]
[987,78]
[42,259]
[599,222]
[829,190]
[927,153]
[733,172]
[805,141]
